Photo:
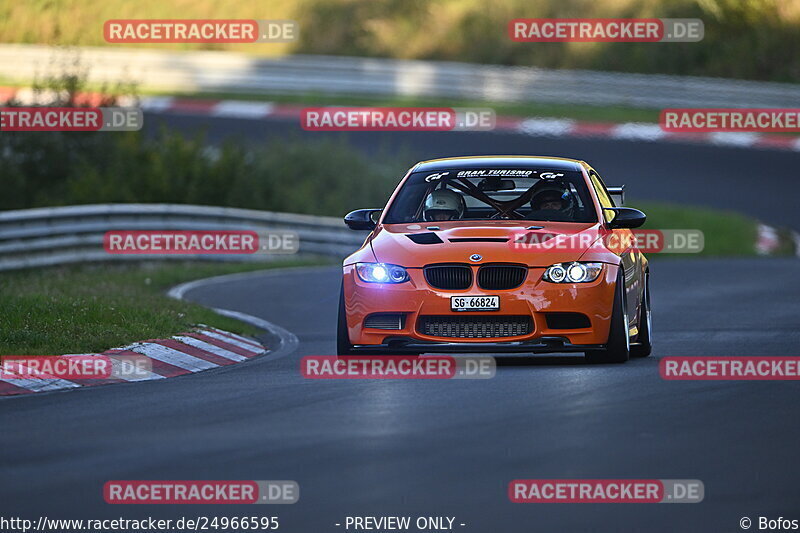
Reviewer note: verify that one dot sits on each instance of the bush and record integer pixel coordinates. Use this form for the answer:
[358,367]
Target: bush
[66,168]
[323,178]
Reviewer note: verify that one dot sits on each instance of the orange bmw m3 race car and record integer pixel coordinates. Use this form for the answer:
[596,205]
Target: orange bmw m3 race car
[497,254]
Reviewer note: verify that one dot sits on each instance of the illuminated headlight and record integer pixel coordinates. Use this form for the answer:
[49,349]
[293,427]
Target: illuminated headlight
[381,273]
[573,272]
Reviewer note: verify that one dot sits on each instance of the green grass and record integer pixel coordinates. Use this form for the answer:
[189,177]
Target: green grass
[726,233]
[587,113]
[91,308]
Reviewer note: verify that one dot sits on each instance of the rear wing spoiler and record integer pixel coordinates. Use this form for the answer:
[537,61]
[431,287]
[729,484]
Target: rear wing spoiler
[617,194]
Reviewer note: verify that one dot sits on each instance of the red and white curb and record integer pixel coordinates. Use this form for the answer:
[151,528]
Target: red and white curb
[201,349]
[533,126]
[769,240]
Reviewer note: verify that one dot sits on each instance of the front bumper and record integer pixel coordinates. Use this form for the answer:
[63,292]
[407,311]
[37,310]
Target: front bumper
[403,345]
[534,298]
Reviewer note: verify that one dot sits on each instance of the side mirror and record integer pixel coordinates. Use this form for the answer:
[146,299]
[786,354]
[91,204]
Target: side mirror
[362,219]
[627,218]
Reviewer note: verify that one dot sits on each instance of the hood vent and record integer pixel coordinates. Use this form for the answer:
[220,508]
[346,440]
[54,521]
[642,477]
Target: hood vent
[425,238]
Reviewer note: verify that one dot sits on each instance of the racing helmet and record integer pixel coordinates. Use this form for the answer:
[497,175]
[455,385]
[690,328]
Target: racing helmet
[443,202]
[553,192]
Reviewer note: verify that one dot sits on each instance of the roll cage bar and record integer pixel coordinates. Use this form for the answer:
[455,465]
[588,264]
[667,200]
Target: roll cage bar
[505,210]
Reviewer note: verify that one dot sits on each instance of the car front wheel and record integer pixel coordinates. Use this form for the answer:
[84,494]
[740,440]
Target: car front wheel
[343,346]
[644,344]
[618,347]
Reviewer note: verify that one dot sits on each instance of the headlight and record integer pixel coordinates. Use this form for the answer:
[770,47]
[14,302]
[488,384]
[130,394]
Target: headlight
[381,273]
[573,272]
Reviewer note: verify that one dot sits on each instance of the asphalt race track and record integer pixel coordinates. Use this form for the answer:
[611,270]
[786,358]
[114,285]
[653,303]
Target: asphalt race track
[434,447]
[761,183]
[450,448]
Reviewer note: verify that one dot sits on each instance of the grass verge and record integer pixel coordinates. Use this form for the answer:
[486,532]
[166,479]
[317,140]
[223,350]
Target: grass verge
[588,113]
[91,308]
[726,233]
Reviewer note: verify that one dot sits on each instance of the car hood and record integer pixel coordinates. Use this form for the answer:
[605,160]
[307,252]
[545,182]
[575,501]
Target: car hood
[494,241]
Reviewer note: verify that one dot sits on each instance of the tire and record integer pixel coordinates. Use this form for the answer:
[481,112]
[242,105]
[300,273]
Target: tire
[644,341]
[617,348]
[343,346]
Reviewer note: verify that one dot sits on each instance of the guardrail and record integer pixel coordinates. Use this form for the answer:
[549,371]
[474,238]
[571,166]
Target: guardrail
[242,73]
[58,235]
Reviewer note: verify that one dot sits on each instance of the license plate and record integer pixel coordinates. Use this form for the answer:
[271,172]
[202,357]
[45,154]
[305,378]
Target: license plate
[475,303]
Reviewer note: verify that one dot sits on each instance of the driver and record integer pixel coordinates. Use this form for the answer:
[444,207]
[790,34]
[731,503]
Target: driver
[549,200]
[552,200]
[443,204]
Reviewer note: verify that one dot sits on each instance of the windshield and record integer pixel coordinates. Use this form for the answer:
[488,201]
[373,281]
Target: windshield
[493,194]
